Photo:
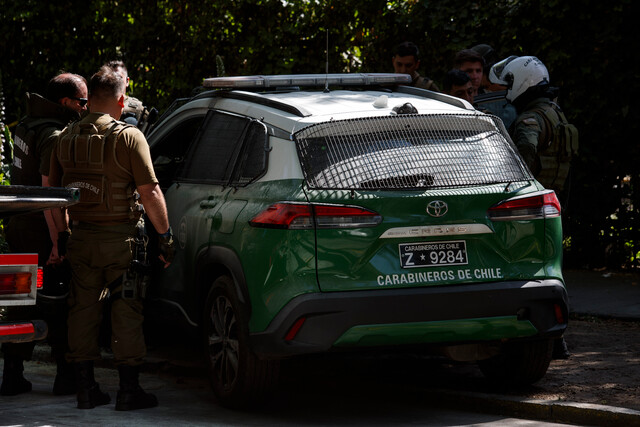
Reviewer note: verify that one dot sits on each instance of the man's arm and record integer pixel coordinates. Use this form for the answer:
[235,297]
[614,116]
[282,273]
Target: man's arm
[154,205]
[60,217]
[54,257]
[525,137]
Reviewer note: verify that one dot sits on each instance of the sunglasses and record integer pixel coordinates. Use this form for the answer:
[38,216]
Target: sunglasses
[81,101]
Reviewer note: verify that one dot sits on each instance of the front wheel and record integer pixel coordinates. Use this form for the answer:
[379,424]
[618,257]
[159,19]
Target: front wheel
[518,364]
[238,377]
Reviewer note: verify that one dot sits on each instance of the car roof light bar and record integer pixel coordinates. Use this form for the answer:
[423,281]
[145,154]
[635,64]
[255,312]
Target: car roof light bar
[307,80]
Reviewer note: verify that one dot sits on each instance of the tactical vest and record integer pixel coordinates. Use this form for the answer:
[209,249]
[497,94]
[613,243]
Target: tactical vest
[87,155]
[557,144]
[24,164]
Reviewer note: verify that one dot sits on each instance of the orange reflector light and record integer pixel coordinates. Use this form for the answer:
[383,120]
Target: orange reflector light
[295,329]
[559,313]
[15,283]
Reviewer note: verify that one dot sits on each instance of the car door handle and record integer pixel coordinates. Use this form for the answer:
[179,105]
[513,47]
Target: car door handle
[207,204]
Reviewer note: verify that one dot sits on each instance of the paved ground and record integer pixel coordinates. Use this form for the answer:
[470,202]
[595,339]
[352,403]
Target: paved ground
[604,294]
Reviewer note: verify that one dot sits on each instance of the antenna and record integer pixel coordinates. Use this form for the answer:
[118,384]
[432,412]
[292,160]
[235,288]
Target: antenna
[326,81]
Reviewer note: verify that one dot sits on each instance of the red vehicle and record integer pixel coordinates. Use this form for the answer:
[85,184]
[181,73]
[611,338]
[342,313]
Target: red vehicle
[20,275]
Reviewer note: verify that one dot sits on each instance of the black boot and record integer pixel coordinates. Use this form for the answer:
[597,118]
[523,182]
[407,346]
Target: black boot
[89,393]
[65,382]
[560,350]
[131,396]
[13,382]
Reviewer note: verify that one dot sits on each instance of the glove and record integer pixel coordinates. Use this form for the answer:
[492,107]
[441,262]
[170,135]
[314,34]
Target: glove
[63,236]
[166,246]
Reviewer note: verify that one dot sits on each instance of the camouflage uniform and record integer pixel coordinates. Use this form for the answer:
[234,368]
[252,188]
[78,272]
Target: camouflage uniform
[134,111]
[546,142]
[424,82]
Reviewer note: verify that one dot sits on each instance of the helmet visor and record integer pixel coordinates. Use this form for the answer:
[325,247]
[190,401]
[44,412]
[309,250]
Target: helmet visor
[497,74]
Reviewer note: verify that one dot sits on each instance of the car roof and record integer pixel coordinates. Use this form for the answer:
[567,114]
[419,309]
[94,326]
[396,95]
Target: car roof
[303,101]
[346,104]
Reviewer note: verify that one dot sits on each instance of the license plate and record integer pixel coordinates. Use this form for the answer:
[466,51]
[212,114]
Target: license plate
[433,254]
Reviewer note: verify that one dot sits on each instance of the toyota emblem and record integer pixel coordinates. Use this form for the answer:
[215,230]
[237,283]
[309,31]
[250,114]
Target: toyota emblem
[437,208]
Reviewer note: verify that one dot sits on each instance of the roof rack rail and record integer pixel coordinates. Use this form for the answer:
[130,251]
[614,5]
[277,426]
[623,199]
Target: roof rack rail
[456,102]
[262,100]
[306,80]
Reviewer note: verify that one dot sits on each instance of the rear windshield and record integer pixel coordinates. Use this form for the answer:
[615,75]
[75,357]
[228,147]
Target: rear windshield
[409,151]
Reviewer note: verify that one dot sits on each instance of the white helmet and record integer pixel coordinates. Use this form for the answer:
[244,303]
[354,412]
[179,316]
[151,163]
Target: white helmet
[519,73]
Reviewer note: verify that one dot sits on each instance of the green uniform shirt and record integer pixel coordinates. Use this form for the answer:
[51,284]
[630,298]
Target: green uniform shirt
[529,132]
[546,141]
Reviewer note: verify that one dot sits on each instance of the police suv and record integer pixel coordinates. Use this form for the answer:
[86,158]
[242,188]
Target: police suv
[348,212]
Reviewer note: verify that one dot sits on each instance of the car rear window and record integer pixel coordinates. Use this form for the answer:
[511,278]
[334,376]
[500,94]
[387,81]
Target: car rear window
[409,151]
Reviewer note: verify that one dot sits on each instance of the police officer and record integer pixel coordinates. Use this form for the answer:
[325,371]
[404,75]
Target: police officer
[541,133]
[35,136]
[406,60]
[110,163]
[134,112]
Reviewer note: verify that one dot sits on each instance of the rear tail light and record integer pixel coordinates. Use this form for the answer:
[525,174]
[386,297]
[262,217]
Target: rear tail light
[537,206]
[300,216]
[17,329]
[15,283]
[40,282]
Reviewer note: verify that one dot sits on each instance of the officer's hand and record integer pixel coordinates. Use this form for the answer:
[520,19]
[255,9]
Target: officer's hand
[63,236]
[166,247]
[54,258]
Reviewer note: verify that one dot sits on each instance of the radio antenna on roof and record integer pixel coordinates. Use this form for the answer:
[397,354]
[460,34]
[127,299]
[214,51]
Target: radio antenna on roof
[326,82]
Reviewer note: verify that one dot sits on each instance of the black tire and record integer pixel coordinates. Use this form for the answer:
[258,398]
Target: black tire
[238,377]
[518,364]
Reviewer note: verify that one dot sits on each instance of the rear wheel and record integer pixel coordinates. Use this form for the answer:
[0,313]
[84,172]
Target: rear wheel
[518,364]
[238,377]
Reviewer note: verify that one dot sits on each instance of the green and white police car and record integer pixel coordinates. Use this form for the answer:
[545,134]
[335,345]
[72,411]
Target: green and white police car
[340,212]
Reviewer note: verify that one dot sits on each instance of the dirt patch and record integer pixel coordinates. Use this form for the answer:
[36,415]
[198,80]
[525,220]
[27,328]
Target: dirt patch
[604,367]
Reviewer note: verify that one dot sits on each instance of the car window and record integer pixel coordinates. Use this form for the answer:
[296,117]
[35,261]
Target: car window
[213,154]
[253,160]
[495,103]
[414,151]
[168,153]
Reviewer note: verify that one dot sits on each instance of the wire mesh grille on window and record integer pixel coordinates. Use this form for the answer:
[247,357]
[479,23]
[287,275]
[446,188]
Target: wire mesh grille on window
[409,151]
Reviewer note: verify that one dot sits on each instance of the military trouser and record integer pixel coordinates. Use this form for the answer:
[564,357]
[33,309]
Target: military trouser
[99,256]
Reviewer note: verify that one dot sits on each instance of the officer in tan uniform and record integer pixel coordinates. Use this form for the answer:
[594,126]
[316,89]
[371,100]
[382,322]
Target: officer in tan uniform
[110,163]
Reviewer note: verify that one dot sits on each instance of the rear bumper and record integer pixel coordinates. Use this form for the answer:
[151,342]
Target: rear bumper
[24,331]
[436,315]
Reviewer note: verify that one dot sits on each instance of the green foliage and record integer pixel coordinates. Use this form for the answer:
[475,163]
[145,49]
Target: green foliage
[6,143]
[169,46]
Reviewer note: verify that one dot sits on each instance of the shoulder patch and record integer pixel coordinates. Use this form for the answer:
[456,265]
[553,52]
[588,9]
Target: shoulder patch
[530,121]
